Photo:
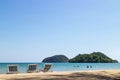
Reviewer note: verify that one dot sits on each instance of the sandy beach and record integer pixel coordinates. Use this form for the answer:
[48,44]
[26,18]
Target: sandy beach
[80,75]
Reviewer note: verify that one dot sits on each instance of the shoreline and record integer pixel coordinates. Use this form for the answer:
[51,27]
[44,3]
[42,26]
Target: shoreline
[65,75]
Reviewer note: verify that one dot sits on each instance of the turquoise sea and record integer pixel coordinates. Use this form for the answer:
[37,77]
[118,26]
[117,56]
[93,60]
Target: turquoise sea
[64,66]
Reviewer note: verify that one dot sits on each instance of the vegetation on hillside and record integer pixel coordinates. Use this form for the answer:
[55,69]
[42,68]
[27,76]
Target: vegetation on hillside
[95,57]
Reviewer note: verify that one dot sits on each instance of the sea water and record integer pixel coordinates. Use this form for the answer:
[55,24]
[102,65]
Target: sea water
[22,67]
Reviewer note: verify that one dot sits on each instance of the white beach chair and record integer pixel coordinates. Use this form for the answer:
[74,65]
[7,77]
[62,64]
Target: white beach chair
[32,68]
[47,68]
[12,69]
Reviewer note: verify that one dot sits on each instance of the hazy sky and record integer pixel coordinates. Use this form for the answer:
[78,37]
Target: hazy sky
[31,30]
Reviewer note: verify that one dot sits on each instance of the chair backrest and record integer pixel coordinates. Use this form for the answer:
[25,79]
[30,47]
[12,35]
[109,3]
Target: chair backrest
[47,67]
[11,69]
[32,68]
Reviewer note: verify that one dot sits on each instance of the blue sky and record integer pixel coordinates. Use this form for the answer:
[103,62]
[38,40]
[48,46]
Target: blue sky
[31,30]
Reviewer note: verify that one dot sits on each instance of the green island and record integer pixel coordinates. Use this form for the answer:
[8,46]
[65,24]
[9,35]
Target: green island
[95,57]
[56,58]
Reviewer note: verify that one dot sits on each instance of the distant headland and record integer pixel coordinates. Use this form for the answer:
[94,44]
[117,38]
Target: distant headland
[95,57]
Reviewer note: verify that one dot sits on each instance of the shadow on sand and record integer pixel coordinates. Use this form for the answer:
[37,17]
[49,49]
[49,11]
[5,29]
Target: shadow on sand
[73,76]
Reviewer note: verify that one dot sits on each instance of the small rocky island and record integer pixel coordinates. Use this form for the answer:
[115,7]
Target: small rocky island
[95,57]
[56,58]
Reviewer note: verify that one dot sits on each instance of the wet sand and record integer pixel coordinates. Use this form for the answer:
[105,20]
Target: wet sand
[80,75]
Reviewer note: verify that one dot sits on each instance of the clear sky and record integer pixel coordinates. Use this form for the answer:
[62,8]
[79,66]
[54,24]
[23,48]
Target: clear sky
[31,30]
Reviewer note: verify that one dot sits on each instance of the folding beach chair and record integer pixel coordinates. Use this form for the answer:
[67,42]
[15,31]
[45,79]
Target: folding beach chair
[32,68]
[47,68]
[12,69]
